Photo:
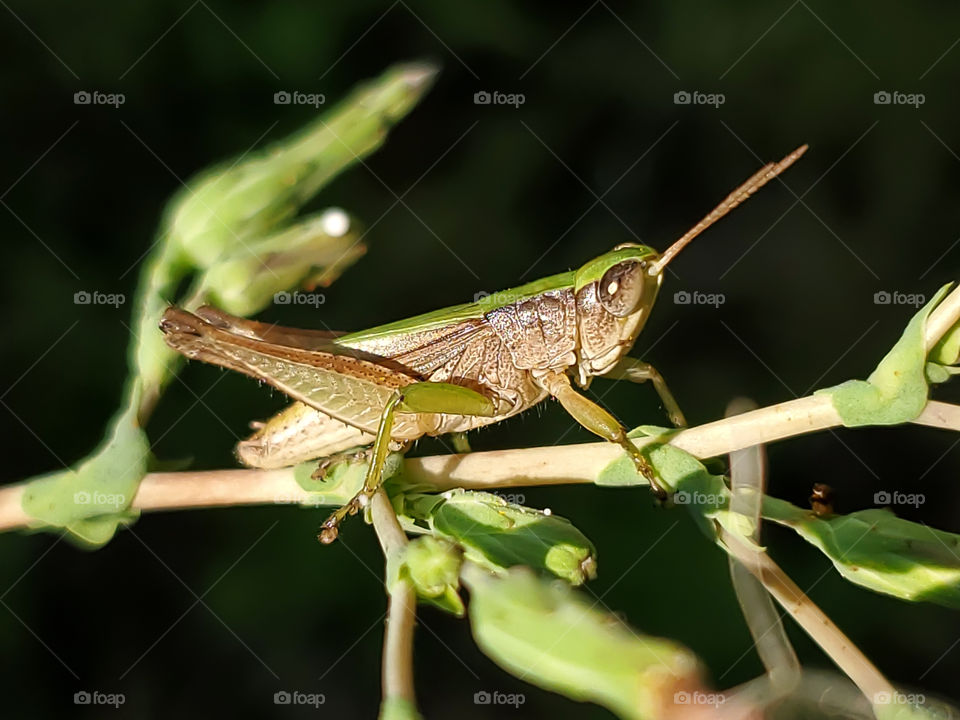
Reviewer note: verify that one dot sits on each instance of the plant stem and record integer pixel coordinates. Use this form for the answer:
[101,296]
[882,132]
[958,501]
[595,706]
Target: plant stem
[397,663]
[811,618]
[747,487]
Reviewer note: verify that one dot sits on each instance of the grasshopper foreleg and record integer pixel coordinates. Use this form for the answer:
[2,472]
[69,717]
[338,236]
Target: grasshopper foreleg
[600,422]
[638,371]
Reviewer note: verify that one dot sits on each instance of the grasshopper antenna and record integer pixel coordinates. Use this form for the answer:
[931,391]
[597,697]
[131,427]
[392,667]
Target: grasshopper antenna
[757,180]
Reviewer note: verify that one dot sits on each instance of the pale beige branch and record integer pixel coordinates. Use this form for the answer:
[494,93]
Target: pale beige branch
[397,661]
[811,618]
[555,465]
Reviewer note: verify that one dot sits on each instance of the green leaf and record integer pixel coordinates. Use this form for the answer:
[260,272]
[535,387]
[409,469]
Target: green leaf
[342,481]
[498,534]
[910,706]
[879,551]
[233,221]
[239,202]
[93,500]
[896,392]
[252,276]
[549,635]
[433,567]
[704,494]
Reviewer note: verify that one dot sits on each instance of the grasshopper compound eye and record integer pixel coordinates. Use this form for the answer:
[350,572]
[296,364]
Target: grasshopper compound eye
[621,288]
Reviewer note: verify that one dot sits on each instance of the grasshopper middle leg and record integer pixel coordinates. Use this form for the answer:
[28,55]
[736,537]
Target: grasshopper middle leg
[600,422]
[638,371]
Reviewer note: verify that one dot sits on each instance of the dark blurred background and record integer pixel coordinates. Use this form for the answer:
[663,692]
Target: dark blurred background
[598,154]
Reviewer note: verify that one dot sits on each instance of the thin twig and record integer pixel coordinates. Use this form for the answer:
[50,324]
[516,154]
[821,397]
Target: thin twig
[811,618]
[747,486]
[397,661]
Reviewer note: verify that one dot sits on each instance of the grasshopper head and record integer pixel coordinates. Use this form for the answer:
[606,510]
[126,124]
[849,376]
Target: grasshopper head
[615,293]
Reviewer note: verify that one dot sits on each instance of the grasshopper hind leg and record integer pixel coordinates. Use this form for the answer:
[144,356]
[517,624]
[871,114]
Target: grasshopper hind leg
[330,529]
[374,477]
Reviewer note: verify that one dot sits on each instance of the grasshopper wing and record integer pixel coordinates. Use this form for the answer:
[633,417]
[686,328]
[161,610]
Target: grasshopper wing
[269,332]
[345,385]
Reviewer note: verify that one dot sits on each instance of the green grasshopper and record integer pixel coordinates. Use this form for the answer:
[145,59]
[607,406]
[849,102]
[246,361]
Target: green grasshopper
[454,369]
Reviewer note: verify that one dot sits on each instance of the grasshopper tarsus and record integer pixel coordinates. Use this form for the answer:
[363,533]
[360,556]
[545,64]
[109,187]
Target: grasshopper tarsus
[330,529]
[327,534]
[646,469]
